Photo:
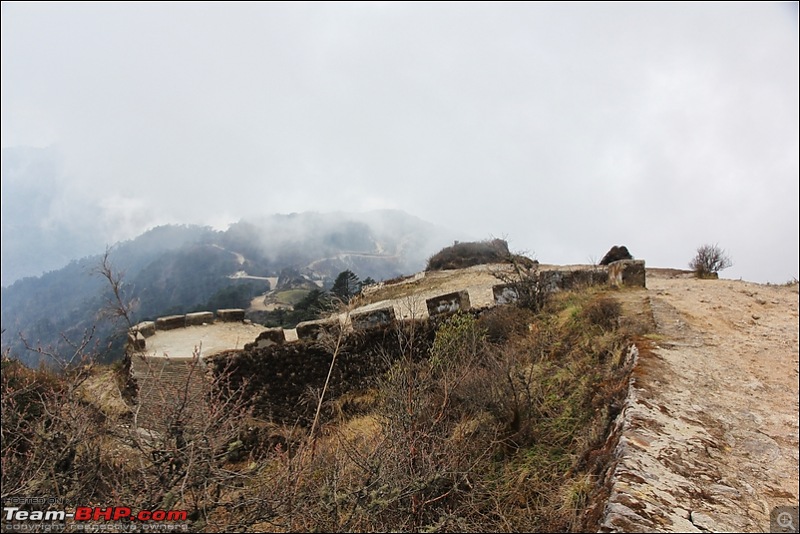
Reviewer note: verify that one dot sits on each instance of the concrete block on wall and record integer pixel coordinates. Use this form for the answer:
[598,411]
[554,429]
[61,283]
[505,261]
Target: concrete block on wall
[629,273]
[315,330]
[505,294]
[270,337]
[199,318]
[449,303]
[371,319]
[136,341]
[170,322]
[147,328]
[231,315]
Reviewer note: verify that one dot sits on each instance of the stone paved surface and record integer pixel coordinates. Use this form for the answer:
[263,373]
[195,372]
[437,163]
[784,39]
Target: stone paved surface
[208,339]
[710,430]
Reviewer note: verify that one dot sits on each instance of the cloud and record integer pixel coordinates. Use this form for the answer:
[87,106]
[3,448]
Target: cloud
[568,128]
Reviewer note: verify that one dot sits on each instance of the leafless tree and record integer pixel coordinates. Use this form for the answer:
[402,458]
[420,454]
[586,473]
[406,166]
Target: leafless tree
[709,261]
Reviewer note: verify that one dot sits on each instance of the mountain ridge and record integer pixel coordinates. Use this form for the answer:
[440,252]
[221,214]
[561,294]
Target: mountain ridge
[181,268]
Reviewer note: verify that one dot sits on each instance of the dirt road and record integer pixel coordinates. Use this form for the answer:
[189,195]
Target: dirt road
[710,435]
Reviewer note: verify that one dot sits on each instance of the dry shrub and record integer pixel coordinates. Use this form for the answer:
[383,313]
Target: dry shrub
[709,261]
[480,436]
[501,323]
[462,255]
[603,312]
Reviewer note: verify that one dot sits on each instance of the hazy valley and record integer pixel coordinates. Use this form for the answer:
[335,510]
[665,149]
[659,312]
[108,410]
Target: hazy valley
[180,269]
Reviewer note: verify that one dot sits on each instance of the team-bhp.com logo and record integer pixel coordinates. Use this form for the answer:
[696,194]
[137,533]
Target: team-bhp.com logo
[90,513]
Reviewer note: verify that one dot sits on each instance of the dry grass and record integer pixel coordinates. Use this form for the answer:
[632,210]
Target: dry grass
[498,429]
[101,390]
[483,436]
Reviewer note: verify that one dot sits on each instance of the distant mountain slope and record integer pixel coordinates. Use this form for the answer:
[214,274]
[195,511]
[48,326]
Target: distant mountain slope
[178,269]
[380,244]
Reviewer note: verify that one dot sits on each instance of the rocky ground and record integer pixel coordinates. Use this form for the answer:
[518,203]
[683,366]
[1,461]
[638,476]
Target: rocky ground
[710,432]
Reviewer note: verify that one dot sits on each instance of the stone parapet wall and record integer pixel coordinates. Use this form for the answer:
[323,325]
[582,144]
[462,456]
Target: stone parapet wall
[385,316]
[566,279]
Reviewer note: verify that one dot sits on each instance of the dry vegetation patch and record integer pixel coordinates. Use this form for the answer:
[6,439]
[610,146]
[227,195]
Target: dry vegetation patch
[496,421]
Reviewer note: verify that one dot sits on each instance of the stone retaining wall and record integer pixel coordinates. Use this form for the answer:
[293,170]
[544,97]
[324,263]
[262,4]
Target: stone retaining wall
[162,386]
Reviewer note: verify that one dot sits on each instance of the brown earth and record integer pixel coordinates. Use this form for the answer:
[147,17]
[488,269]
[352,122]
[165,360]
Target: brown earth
[710,431]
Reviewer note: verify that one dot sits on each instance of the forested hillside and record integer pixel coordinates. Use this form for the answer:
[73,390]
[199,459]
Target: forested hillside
[179,269]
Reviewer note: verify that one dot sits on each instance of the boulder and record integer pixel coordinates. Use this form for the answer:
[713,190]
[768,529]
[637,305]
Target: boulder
[616,253]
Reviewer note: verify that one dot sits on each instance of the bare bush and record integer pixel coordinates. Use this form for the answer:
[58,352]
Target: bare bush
[501,323]
[527,282]
[709,261]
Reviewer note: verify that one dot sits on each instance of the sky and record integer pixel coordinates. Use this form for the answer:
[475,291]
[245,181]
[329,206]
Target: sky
[564,128]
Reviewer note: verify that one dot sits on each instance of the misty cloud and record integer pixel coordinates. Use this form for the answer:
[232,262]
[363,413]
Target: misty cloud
[566,128]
